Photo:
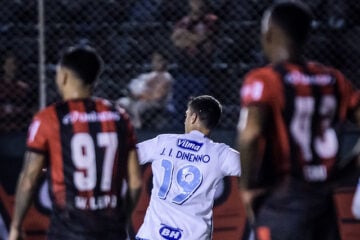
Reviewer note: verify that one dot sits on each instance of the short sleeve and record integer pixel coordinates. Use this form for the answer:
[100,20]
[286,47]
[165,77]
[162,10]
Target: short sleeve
[230,162]
[37,139]
[145,150]
[259,87]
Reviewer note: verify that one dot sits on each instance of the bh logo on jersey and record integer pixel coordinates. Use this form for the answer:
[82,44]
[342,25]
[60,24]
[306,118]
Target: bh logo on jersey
[170,233]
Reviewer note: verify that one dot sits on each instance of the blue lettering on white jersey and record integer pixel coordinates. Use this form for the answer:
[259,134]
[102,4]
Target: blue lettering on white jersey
[192,157]
[189,144]
[187,169]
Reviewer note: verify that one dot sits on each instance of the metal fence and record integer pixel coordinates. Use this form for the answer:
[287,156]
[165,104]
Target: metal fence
[127,33]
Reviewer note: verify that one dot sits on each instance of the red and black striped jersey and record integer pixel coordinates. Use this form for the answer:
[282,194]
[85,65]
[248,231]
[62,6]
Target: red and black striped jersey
[307,102]
[87,142]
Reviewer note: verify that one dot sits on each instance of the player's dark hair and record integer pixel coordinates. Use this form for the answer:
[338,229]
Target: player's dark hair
[84,62]
[294,18]
[207,108]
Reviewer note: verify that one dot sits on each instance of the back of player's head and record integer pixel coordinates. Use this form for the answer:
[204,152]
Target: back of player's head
[207,108]
[84,62]
[294,18]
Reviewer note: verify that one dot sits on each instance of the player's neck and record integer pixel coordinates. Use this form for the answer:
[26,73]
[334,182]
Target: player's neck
[285,55]
[204,131]
[76,94]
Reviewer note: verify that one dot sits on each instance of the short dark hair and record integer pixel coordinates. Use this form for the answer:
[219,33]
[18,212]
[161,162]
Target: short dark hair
[207,108]
[294,18]
[84,61]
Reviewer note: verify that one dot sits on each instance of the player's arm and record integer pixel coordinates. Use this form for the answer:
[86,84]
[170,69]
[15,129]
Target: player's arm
[250,145]
[134,180]
[27,182]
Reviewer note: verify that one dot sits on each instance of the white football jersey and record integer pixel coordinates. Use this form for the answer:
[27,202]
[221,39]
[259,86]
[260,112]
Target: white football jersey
[356,202]
[186,168]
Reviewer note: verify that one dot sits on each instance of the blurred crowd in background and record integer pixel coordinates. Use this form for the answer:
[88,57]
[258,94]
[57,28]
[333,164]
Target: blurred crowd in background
[207,46]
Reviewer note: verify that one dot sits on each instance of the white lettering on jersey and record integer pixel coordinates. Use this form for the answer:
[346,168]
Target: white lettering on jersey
[84,158]
[253,90]
[170,233]
[326,143]
[76,116]
[314,173]
[297,77]
[95,203]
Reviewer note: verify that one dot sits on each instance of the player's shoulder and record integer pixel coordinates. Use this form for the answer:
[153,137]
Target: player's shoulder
[147,75]
[223,147]
[47,112]
[168,136]
[111,106]
[160,140]
[262,73]
[168,76]
[262,84]
[323,68]
[103,101]
[177,138]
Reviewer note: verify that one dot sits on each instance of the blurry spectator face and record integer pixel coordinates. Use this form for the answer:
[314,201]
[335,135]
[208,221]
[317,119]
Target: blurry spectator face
[9,67]
[158,62]
[197,8]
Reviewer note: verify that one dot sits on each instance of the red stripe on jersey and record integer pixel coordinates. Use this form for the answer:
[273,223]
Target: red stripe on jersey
[56,161]
[107,126]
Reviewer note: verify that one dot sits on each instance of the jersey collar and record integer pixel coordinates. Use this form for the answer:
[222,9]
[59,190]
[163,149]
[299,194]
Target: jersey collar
[197,133]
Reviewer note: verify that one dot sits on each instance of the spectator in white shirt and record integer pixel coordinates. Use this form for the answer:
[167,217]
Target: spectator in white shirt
[147,91]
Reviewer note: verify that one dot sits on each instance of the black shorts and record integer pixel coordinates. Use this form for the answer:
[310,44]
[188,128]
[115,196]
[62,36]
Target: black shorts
[297,211]
[65,231]
[85,236]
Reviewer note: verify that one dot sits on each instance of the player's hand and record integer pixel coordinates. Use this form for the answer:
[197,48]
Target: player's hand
[16,234]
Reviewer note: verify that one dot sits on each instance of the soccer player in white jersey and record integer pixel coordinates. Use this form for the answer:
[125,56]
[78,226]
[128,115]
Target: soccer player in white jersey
[186,168]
